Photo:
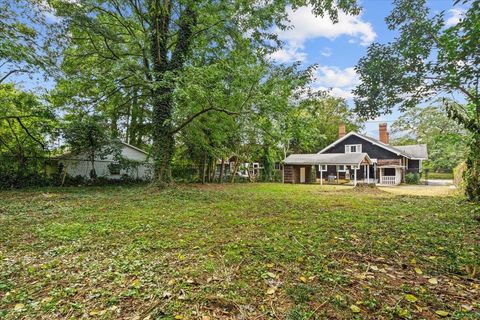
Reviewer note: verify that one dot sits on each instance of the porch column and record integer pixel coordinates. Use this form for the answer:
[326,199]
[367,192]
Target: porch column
[368,174]
[355,177]
[321,174]
[336,168]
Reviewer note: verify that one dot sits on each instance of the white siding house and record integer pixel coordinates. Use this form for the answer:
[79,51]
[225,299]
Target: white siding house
[108,167]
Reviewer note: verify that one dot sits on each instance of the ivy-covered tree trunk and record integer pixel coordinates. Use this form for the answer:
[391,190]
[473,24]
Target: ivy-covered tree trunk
[163,140]
[472,174]
[166,65]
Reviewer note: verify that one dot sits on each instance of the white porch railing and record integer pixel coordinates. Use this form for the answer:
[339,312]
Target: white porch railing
[388,180]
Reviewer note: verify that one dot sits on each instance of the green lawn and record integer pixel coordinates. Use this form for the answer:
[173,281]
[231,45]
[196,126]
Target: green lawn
[248,251]
[440,175]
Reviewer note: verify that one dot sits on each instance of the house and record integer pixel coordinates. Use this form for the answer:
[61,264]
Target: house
[135,164]
[356,157]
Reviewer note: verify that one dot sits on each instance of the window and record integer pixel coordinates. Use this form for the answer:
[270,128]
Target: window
[353,148]
[322,167]
[354,167]
[114,168]
[341,168]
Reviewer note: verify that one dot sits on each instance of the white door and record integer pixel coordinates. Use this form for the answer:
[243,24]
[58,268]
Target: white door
[302,175]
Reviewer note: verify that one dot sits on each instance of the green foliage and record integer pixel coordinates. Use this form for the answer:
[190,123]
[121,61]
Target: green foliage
[427,59]
[27,129]
[445,138]
[26,39]
[412,178]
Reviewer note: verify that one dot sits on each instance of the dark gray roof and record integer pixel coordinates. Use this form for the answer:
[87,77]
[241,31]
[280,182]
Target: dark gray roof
[416,151]
[327,158]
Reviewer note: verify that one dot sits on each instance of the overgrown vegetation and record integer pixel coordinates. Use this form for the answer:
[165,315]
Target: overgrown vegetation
[412,178]
[237,251]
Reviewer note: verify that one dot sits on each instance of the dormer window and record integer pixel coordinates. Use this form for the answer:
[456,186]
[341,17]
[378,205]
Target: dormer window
[353,148]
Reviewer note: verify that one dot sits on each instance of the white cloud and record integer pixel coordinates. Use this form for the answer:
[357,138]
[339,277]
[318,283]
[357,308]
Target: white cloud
[339,81]
[455,15]
[326,52]
[288,54]
[304,26]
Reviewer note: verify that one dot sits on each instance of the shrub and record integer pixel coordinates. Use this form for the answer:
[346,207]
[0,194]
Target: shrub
[412,178]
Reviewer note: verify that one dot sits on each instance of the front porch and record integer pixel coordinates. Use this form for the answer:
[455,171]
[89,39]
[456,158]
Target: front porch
[335,174]
[340,168]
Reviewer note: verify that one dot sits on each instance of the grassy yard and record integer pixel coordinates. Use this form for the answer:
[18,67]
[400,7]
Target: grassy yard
[248,251]
[440,175]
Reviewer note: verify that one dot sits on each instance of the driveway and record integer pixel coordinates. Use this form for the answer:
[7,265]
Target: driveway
[422,190]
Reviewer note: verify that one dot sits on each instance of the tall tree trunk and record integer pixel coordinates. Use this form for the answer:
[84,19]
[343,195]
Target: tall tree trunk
[222,170]
[472,174]
[166,65]
[93,172]
[163,140]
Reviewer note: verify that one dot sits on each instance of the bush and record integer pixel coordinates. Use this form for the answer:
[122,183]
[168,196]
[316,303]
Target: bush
[412,178]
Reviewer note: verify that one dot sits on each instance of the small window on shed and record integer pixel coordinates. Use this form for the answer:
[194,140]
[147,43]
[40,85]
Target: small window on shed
[114,168]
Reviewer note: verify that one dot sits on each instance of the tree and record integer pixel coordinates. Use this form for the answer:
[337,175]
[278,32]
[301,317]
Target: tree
[430,125]
[27,126]
[88,136]
[427,59]
[155,40]
[26,38]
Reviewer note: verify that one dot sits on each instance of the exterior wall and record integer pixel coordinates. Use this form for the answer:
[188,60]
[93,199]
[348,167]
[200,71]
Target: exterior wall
[292,173]
[78,165]
[373,151]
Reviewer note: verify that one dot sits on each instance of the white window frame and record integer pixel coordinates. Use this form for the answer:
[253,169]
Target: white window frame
[358,148]
[341,170]
[355,167]
[321,169]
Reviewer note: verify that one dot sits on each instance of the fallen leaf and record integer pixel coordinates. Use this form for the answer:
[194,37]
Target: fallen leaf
[441,313]
[411,298]
[270,265]
[433,281]
[354,308]
[271,290]
[136,284]
[19,307]
[178,317]
[166,294]
[466,307]
[303,279]
[418,271]
[271,275]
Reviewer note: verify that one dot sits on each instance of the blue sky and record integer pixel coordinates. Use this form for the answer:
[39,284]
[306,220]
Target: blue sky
[336,48]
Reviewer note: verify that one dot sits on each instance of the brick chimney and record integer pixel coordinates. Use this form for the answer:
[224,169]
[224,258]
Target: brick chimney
[383,134]
[341,130]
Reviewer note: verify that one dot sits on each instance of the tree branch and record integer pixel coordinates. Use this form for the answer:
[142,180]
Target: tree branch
[29,134]
[12,72]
